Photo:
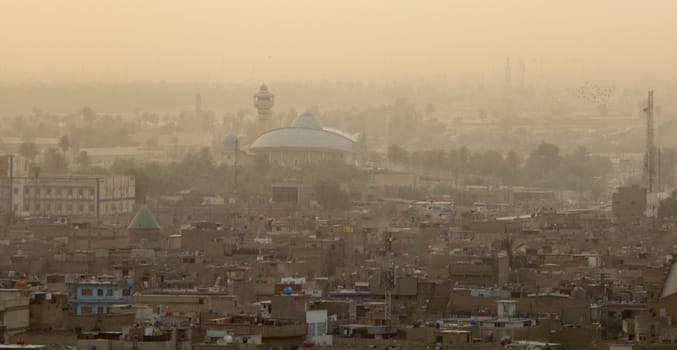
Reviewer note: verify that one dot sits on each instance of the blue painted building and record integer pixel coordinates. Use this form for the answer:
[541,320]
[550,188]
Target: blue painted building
[98,295]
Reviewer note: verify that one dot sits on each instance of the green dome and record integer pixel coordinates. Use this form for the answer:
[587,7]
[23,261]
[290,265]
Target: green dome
[144,220]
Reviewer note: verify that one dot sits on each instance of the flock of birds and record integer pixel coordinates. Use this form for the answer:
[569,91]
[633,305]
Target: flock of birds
[593,93]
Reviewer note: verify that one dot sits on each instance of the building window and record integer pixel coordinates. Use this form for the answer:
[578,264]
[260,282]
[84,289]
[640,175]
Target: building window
[91,207]
[26,206]
[91,192]
[126,292]
[16,190]
[58,207]
[69,207]
[81,208]
[86,292]
[99,292]
[85,310]
[37,207]
[109,292]
[81,192]
[102,310]
[26,190]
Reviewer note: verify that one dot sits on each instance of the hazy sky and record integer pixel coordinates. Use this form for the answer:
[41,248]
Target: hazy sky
[287,40]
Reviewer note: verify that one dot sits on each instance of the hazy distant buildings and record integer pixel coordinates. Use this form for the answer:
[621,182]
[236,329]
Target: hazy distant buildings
[507,73]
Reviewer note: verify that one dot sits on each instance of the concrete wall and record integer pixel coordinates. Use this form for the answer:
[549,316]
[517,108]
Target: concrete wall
[108,322]
[15,314]
[177,303]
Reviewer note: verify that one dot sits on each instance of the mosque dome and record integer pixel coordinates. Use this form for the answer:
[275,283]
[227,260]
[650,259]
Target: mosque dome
[307,121]
[305,134]
[230,142]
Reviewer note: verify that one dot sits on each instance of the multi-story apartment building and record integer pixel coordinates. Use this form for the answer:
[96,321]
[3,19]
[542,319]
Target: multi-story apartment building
[63,196]
[97,295]
[92,196]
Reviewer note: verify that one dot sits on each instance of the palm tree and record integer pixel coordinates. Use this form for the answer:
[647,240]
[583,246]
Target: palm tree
[28,150]
[35,171]
[64,144]
[83,160]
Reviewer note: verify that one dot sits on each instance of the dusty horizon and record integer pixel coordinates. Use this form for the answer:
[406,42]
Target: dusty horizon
[378,41]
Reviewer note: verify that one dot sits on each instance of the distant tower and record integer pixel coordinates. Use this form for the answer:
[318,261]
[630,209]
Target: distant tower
[508,72]
[231,146]
[264,102]
[650,148]
[198,104]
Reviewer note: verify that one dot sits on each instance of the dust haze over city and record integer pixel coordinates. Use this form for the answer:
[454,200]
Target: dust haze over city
[338,174]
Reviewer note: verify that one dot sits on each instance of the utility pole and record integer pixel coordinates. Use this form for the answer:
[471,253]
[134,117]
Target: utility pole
[650,160]
[236,165]
[389,280]
[649,151]
[389,277]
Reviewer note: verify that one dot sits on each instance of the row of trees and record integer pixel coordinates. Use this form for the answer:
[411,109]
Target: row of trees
[87,127]
[54,159]
[544,166]
[198,172]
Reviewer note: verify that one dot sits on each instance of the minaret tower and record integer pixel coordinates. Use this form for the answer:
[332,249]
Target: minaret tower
[264,102]
[508,72]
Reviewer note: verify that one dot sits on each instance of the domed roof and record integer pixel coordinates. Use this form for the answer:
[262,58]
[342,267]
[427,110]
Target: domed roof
[308,121]
[303,139]
[230,142]
[144,220]
[306,133]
